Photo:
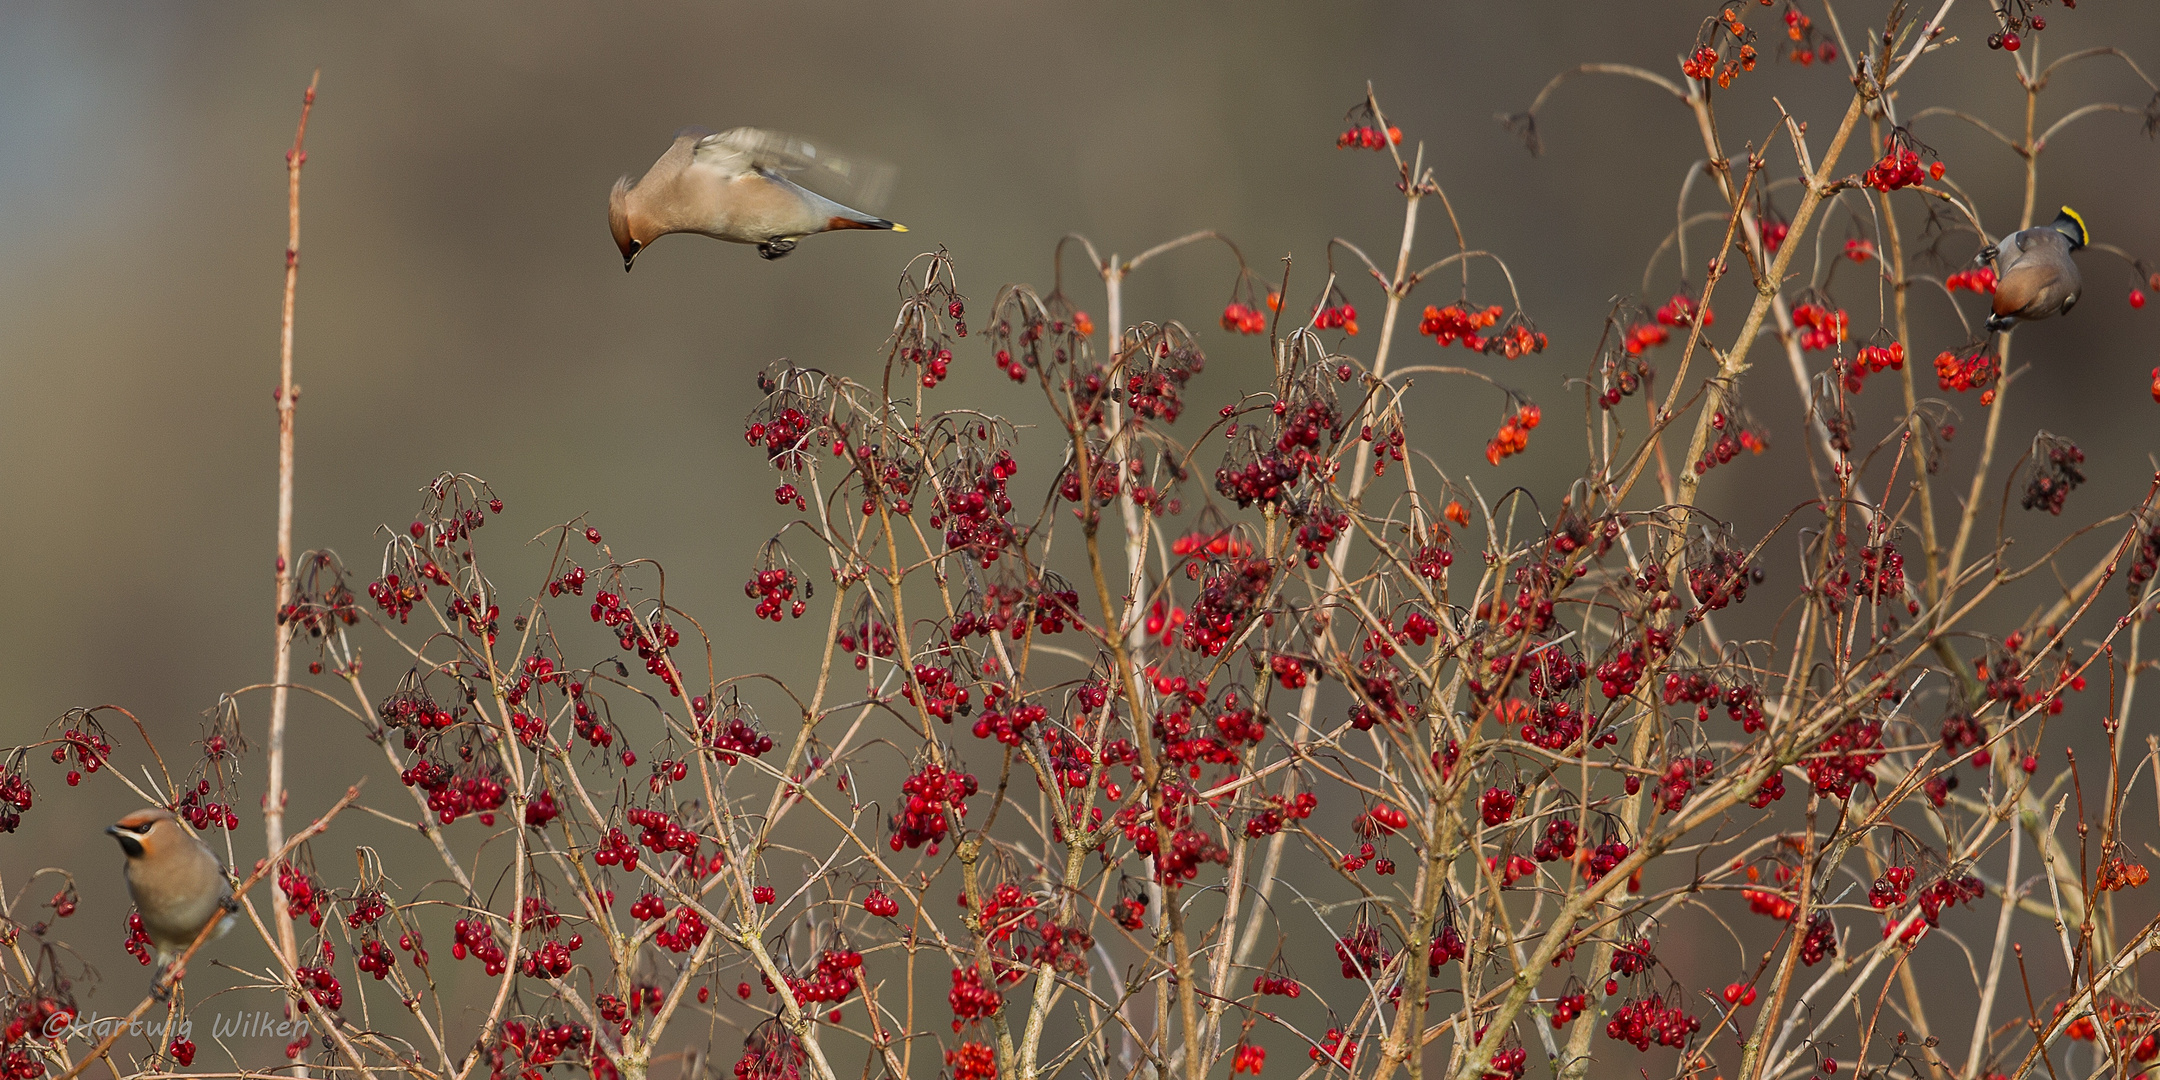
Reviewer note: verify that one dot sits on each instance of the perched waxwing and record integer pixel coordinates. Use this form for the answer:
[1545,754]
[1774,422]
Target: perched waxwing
[2036,277]
[736,186]
[176,880]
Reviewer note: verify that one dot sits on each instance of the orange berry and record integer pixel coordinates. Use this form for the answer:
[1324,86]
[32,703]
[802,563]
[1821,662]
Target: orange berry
[1460,516]
[1350,328]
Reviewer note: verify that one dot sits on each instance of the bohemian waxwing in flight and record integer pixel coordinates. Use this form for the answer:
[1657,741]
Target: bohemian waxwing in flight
[176,880]
[2037,277]
[735,186]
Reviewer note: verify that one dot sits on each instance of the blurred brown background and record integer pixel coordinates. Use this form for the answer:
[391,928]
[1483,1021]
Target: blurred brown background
[461,305]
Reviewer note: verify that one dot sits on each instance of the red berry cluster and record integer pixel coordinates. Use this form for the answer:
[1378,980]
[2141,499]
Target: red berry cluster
[1514,435]
[930,792]
[972,511]
[1188,849]
[571,581]
[1336,1047]
[390,594]
[1368,137]
[771,1052]
[1900,166]
[1517,338]
[1009,726]
[881,905]
[198,809]
[1248,1058]
[1568,1006]
[785,434]
[138,939]
[1363,953]
[836,975]
[476,938]
[2055,475]
[1447,944]
[1765,902]
[1241,318]
[867,638]
[1975,371]
[89,748]
[535,1048]
[1732,438]
[1823,326]
[1130,912]
[1557,842]
[1497,805]
[1820,944]
[1608,855]
[375,958]
[1846,757]
[304,895]
[323,986]
[1647,1019]
[1872,359]
[1979,279]
[183,1053]
[1703,62]
[16,795]
[1892,888]
[735,737]
[774,591]
[974,1061]
[1457,322]
[1281,811]
[616,850]
[2144,563]
[1739,993]
[971,1001]
[1341,317]
[1801,31]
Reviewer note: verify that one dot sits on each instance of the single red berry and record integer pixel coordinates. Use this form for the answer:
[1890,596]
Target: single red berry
[592,535]
[2011,42]
[2137,298]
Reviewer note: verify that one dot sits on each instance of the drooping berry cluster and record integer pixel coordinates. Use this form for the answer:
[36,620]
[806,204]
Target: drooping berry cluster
[1823,327]
[1976,370]
[2056,472]
[1514,435]
[1978,279]
[930,792]
[1458,322]
[1647,1019]
[1873,359]
[1900,164]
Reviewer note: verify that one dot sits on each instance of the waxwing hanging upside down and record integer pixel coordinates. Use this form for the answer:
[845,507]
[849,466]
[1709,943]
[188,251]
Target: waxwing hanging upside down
[2036,276]
[734,186]
[177,882]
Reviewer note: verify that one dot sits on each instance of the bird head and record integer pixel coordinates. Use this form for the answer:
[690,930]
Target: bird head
[145,832]
[629,237]
[2071,225]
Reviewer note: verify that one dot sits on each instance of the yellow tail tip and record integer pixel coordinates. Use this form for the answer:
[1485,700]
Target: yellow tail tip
[897,227]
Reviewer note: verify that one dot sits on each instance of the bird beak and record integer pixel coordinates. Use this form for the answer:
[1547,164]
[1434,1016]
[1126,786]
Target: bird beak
[631,255]
[112,830]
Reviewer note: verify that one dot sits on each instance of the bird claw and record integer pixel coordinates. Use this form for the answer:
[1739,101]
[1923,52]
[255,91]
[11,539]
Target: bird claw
[775,248]
[229,904]
[1986,255]
[167,980]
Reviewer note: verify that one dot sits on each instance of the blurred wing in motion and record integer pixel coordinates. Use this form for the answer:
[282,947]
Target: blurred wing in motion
[858,182]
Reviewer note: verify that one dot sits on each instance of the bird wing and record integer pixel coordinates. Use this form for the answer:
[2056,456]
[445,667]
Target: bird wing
[857,181]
